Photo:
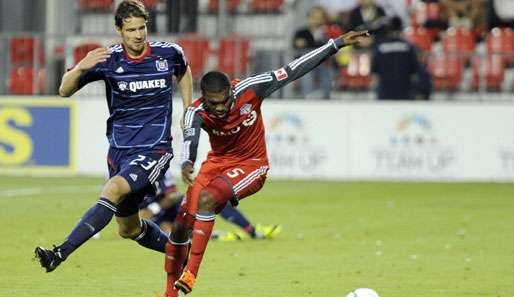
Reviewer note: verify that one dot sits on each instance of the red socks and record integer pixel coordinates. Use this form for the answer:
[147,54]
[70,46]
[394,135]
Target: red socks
[201,234]
[176,254]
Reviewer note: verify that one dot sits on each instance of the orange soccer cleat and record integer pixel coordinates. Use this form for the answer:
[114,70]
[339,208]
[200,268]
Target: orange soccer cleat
[185,282]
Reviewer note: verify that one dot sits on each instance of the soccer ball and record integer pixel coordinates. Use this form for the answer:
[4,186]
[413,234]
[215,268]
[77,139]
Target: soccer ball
[362,292]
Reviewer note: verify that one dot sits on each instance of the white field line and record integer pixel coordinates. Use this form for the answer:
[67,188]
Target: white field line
[49,190]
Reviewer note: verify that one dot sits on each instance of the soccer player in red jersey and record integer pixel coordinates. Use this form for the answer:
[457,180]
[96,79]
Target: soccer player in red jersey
[236,167]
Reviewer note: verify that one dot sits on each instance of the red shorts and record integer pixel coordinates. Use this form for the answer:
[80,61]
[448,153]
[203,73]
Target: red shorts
[226,181]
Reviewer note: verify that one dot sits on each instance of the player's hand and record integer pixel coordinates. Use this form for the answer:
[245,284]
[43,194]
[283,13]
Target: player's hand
[187,173]
[94,57]
[181,122]
[354,37]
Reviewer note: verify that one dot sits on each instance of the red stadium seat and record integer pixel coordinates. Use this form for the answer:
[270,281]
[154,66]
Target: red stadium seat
[21,81]
[266,5]
[446,71]
[459,41]
[80,51]
[488,72]
[231,5]
[23,49]
[233,55]
[420,37]
[196,50]
[423,12]
[96,5]
[501,41]
[357,75]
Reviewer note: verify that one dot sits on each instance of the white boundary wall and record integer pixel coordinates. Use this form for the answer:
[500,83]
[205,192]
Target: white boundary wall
[364,141]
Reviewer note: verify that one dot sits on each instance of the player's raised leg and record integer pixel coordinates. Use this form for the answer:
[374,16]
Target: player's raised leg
[121,196]
[94,220]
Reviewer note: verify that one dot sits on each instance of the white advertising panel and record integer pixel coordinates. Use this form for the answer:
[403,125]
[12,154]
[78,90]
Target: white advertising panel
[306,139]
[429,141]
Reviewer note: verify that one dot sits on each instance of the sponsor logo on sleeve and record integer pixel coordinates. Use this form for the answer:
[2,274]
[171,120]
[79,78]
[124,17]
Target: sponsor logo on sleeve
[280,74]
[189,132]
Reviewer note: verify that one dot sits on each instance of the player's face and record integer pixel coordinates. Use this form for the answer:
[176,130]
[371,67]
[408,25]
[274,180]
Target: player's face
[133,34]
[218,103]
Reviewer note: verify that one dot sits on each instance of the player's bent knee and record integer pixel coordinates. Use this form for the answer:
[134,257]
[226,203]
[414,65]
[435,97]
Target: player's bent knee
[115,189]
[207,202]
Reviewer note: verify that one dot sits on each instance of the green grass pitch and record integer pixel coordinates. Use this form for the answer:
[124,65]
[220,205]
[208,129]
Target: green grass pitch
[401,239]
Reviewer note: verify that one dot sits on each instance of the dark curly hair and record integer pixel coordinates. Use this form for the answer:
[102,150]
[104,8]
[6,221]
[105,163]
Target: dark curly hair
[130,8]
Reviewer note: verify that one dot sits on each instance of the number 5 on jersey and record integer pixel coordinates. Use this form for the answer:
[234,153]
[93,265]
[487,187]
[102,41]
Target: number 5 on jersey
[235,172]
[246,179]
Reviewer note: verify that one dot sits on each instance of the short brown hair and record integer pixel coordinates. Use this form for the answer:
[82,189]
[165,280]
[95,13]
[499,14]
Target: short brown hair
[129,8]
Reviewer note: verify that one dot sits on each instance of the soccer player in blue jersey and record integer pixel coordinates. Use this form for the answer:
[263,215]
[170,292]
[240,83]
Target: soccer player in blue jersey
[138,77]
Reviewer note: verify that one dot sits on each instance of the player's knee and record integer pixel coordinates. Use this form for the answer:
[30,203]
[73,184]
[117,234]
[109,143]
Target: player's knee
[115,189]
[179,232]
[206,202]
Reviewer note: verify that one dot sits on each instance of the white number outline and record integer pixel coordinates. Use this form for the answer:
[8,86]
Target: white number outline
[235,172]
[138,162]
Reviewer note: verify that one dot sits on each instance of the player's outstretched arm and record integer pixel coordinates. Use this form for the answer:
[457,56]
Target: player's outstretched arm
[266,83]
[70,80]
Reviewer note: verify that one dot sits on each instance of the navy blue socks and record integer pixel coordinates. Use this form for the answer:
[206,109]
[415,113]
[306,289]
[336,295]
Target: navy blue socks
[94,220]
[152,236]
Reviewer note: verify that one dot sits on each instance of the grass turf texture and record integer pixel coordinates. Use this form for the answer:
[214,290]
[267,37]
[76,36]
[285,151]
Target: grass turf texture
[401,239]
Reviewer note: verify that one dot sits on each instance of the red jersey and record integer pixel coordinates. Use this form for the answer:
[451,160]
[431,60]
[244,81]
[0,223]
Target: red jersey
[239,135]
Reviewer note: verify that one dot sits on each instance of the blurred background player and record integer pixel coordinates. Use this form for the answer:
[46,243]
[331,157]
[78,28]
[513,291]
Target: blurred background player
[162,209]
[398,70]
[139,78]
[237,165]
